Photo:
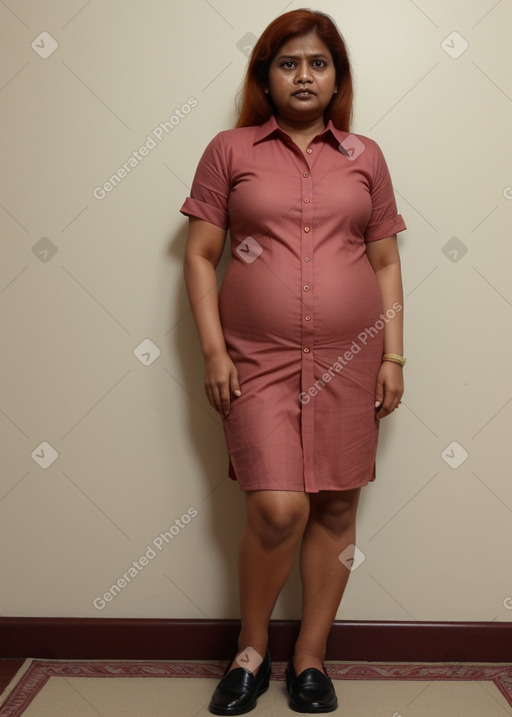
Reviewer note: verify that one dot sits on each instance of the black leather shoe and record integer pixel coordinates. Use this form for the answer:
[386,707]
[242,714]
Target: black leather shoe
[311,691]
[239,689]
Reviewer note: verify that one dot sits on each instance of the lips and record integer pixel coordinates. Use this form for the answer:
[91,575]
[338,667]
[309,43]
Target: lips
[303,93]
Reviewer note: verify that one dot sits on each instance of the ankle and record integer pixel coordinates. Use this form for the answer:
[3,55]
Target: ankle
[303,659]
[258,643]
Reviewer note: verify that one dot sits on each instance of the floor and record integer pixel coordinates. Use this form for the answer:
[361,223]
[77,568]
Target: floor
[78,688]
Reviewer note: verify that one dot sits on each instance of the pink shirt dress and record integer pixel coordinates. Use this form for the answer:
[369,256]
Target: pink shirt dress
[300,306]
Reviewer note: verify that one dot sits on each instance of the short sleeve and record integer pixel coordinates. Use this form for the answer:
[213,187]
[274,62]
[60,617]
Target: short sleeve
[209,193]
[384,220]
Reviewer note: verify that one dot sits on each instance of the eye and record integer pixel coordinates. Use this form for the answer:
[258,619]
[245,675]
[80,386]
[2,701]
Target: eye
[288,64]
[319,64]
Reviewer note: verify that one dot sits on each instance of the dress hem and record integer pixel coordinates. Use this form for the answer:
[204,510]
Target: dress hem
[301,490]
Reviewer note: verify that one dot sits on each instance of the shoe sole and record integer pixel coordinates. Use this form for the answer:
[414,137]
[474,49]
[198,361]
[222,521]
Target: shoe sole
[310,710]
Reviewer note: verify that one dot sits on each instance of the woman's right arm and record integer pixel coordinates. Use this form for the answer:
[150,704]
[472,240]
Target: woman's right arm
[205,244]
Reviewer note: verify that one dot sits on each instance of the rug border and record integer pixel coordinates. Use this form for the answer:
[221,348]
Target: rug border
[32,676]
[14,681]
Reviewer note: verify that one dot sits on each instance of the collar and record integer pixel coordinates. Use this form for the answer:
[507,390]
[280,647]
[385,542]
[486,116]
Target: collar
[269,127]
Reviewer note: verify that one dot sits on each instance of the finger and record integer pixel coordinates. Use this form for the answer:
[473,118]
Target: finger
[386,403]
[235,384]
[383,412]
[213,398]
[390,405]
[209,395]
[224,400]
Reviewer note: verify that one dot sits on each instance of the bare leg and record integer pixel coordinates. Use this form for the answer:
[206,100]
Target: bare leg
[275,523]
[330,529]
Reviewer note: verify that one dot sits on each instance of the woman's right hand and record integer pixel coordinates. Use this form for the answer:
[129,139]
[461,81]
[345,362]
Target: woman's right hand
[220,379]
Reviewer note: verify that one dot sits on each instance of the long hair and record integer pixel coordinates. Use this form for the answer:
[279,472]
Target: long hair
[255,107]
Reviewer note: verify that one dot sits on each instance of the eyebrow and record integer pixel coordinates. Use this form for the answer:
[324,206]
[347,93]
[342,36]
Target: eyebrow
[314,55]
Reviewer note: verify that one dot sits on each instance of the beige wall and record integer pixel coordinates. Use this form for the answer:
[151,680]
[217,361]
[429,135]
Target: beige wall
[100,358]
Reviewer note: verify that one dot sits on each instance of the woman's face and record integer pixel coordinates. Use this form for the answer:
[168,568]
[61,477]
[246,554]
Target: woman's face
[302,78]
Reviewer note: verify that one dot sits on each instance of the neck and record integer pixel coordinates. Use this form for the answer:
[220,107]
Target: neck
[301,128]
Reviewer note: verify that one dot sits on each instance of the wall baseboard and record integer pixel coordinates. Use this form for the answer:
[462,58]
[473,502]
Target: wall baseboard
[155,639]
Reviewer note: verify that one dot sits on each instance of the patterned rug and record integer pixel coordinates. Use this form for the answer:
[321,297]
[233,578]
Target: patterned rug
[24,691]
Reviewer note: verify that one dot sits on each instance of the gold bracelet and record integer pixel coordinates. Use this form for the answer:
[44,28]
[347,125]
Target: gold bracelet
[396,358]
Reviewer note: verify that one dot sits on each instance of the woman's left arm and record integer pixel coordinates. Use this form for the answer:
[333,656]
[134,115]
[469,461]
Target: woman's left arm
[385,261]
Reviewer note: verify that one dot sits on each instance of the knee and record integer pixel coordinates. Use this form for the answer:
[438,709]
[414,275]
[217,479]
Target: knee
[338,515]
[335,522]
[278,523]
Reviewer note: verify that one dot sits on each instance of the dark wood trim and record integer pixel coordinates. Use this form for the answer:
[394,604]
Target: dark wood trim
[140,639]
[8,668]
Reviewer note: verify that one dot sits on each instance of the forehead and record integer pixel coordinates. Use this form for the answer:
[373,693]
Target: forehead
[308,44]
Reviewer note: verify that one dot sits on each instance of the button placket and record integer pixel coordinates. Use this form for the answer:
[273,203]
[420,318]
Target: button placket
[307,321]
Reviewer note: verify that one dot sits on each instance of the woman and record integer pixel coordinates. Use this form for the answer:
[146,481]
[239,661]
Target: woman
[303,346]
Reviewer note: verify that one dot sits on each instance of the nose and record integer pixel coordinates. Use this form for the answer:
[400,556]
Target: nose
[303,73]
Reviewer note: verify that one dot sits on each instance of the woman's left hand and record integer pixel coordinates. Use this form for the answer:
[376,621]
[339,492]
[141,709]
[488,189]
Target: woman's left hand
[389,389]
